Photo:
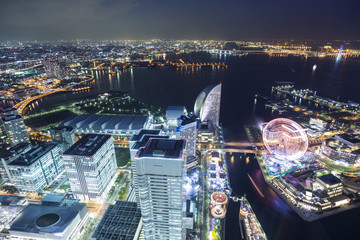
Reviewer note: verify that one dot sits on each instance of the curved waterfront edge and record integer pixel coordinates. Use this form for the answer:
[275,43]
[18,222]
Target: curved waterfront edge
[305,215]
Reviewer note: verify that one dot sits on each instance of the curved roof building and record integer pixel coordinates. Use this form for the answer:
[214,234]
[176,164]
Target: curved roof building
[207,104]
[106,124]
[55,218]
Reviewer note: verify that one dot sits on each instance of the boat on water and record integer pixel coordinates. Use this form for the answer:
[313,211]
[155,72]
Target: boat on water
[249,223]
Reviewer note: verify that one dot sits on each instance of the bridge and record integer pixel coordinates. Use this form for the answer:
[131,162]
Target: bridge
[23,104]
[238,150]
[279,52]
[237,147]
[108,66]
[244,144]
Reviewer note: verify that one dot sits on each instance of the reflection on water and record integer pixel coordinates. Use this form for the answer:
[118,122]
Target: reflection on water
[245,77]
[278,220]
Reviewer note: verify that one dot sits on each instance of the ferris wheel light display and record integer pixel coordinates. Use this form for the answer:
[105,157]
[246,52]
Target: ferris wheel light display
[285,139]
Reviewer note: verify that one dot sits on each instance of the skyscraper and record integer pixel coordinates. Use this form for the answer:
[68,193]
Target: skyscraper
[143,138]
[13,127]
[160,172]
[207,104]
[207,110]
[91,166]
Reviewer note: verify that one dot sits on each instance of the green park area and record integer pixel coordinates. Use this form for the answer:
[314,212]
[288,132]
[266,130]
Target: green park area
[48,119]
[122,156]
[117,102]
[64,187]
[343,169]
[123,193]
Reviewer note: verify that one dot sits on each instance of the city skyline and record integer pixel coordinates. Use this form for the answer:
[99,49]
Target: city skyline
[140,19]
[196,120]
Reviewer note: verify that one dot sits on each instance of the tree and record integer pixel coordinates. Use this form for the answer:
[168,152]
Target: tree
[230,46]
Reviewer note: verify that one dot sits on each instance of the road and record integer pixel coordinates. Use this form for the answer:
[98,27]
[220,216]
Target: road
[204,221]
[103,207]
[23,104]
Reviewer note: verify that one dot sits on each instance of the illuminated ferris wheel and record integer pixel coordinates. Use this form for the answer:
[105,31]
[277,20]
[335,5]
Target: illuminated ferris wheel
[285,139]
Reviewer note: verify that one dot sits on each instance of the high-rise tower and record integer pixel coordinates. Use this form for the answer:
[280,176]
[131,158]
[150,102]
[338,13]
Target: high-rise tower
[207,104]
[160,173]
[138,141]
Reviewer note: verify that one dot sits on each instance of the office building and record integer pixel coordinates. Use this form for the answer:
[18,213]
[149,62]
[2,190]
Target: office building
[90,165]
[330,184]
[64,136]
[8,111]
[13,127]
[141,133]
[138,141]
[348,139]
[10,155]
[37,167]
[12,200]
[319,123]
[188,131]
[160,174]
[173,114]
[343,150]
[55,218]
[207,133]
[120,221]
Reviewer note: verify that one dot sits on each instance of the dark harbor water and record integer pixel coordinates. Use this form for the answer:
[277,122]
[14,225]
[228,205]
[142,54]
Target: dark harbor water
[245,77]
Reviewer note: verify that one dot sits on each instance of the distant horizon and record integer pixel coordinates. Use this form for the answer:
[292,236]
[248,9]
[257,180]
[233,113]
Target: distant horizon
[144,19]
[184,39]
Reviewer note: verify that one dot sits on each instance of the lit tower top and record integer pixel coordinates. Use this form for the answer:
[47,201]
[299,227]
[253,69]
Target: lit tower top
[207,104]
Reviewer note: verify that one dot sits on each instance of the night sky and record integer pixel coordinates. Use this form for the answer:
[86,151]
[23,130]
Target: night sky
[179,19]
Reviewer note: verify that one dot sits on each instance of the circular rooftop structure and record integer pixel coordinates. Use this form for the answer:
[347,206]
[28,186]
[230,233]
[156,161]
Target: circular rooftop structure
[219,198]
[285,139]
[218,212]
[47,220]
